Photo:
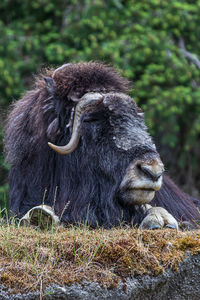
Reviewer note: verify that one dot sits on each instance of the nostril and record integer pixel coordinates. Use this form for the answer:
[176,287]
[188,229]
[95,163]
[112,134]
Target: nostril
[150,173]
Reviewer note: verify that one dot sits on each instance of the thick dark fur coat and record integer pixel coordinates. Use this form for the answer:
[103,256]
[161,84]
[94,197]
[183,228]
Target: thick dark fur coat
[69,183]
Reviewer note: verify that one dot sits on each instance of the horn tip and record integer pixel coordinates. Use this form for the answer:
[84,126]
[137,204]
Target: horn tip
[60,149]
[52,146]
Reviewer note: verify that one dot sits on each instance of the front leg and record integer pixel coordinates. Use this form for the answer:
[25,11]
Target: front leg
[158,217]
[42,216]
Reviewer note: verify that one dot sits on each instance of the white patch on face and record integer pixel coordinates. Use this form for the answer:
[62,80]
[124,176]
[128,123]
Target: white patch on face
[138,188]
[139,181]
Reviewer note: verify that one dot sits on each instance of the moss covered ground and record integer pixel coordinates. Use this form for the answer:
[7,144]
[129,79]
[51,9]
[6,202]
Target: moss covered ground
[31,259]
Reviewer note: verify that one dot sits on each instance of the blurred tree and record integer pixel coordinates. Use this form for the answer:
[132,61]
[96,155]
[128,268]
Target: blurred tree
[154,43]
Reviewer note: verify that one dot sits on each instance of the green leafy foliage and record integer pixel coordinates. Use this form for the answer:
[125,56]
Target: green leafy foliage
[140,38]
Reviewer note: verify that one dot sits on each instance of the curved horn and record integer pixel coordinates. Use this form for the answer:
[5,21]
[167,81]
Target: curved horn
[60,68]
[88,101]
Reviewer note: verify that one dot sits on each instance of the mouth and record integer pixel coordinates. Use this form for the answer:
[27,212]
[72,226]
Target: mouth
[138,196]
[142,189]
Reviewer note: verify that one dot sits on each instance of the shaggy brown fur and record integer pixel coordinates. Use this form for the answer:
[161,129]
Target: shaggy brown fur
[86,77]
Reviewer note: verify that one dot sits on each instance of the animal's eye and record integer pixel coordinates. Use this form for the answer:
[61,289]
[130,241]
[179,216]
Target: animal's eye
[90,119]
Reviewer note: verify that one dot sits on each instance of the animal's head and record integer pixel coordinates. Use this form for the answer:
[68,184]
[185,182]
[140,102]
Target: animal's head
[100,124]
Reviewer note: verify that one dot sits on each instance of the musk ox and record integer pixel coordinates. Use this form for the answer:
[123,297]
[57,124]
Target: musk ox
[78,143]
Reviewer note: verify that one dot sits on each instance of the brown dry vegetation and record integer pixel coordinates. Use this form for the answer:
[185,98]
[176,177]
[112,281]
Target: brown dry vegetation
[31,259]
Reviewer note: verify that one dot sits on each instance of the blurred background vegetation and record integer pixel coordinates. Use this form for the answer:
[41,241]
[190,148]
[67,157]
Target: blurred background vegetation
[154,43]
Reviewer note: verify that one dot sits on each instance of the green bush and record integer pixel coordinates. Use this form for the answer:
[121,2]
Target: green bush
[146,40]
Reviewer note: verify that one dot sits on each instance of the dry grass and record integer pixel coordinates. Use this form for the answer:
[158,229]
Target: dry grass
[30,259]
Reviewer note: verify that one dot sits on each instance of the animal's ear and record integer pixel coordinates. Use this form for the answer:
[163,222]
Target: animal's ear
[50,85]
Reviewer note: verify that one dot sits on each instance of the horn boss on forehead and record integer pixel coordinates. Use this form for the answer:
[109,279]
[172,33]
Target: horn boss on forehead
[87,102]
